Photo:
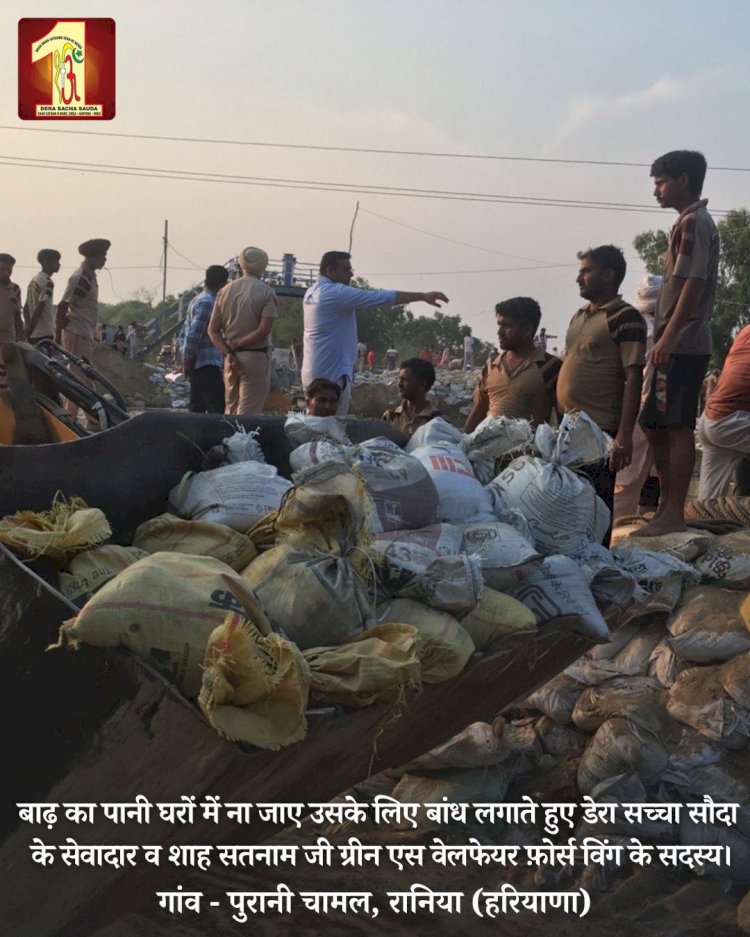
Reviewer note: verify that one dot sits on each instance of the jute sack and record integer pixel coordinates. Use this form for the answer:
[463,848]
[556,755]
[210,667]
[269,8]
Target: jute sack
[86,572]
[374,667]
[237,495]
[710,625]
[164,608]
[255,686]
[67,528]
[495,616]
[444,646]
[313,598]
[507,556]
[168,533]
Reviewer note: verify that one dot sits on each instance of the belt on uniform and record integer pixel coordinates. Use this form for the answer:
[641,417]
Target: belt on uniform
[264,350]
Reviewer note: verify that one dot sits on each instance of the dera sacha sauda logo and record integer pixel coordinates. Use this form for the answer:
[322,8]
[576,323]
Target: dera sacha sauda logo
[66,69]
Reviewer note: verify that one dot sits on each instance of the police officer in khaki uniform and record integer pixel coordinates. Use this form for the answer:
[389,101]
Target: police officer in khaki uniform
[11,322]
[40,309]
[78,311]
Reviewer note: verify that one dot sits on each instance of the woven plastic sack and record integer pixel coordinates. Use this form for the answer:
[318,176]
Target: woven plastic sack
[435,432]
[495,616]
[301,428]
[164,608]
[401,489]
[313,598]
[507,556]
[576,441]
[556,698]
[67,528]
[168,533]
[698,699]
[462,499]
[620,746]
[559,588]
[317,452]
[496,436]
[727,561]
[236,495]
[374,667]
[86,572]
[255,686]
[735,678]
[444,646]
[710,625]
[242,446]
[563,510]
[636,698]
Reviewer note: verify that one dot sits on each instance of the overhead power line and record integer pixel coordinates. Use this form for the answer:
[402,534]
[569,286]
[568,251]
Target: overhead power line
[359,149]
[145,172]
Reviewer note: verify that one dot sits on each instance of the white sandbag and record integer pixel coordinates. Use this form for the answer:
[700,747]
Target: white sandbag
[236,495]
[401,554]
[462,499]
[697,698]
[451,583]
[372,450]
[727,561]
[507,557]
[435,432]
[577,441]
[299,428]
[686,545]
[664,665]
[710,625]
[618,747]
[497,436]
[559,588]
[562,508]
[689,749]
[560,741]
[242,446]
[556,698]
[635,698]
[313,598]
[609,583]
[627,654]
[316,452]
[652,568]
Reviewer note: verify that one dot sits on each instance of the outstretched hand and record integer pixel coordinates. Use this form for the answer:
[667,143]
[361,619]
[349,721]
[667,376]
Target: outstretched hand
[433,297]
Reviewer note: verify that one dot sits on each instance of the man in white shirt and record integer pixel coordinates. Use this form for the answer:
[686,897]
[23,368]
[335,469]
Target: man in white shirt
[330,322]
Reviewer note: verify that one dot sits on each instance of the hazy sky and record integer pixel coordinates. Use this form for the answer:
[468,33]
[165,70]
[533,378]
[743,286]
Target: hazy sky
[550,80]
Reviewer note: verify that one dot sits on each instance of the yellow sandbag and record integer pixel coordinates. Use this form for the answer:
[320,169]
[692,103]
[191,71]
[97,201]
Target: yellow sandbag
[254,686]
[86,572]
[496,615]
[328,509]
[374,667]
[164,608]
[168,533]
[312,597]
[69,526]
[444,646]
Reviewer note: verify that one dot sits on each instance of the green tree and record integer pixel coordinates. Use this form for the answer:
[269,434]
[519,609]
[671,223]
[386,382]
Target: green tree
[732,310]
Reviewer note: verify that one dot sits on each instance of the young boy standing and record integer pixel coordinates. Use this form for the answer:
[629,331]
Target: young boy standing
[682,333]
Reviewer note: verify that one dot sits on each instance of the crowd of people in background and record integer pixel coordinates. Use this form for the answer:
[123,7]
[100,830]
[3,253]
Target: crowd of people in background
[638,370]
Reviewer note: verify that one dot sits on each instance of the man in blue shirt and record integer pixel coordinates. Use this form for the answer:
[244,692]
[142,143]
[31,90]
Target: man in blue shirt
[201,361]
[330,322]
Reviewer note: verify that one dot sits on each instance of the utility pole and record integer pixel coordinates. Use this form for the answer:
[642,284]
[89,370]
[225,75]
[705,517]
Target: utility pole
[164,280]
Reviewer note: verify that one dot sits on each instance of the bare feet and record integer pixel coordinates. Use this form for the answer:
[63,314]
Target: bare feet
[661,524]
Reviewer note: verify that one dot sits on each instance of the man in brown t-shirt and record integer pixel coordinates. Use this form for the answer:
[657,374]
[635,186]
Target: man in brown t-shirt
[415,377]
[520,381]
[602,371]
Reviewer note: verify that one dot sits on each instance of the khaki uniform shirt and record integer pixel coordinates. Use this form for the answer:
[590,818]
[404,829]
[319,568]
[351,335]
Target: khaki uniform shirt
[601,342]
[10,311]
[409,423]
[82,295]
[526,392]
[39,296]
[240,305]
